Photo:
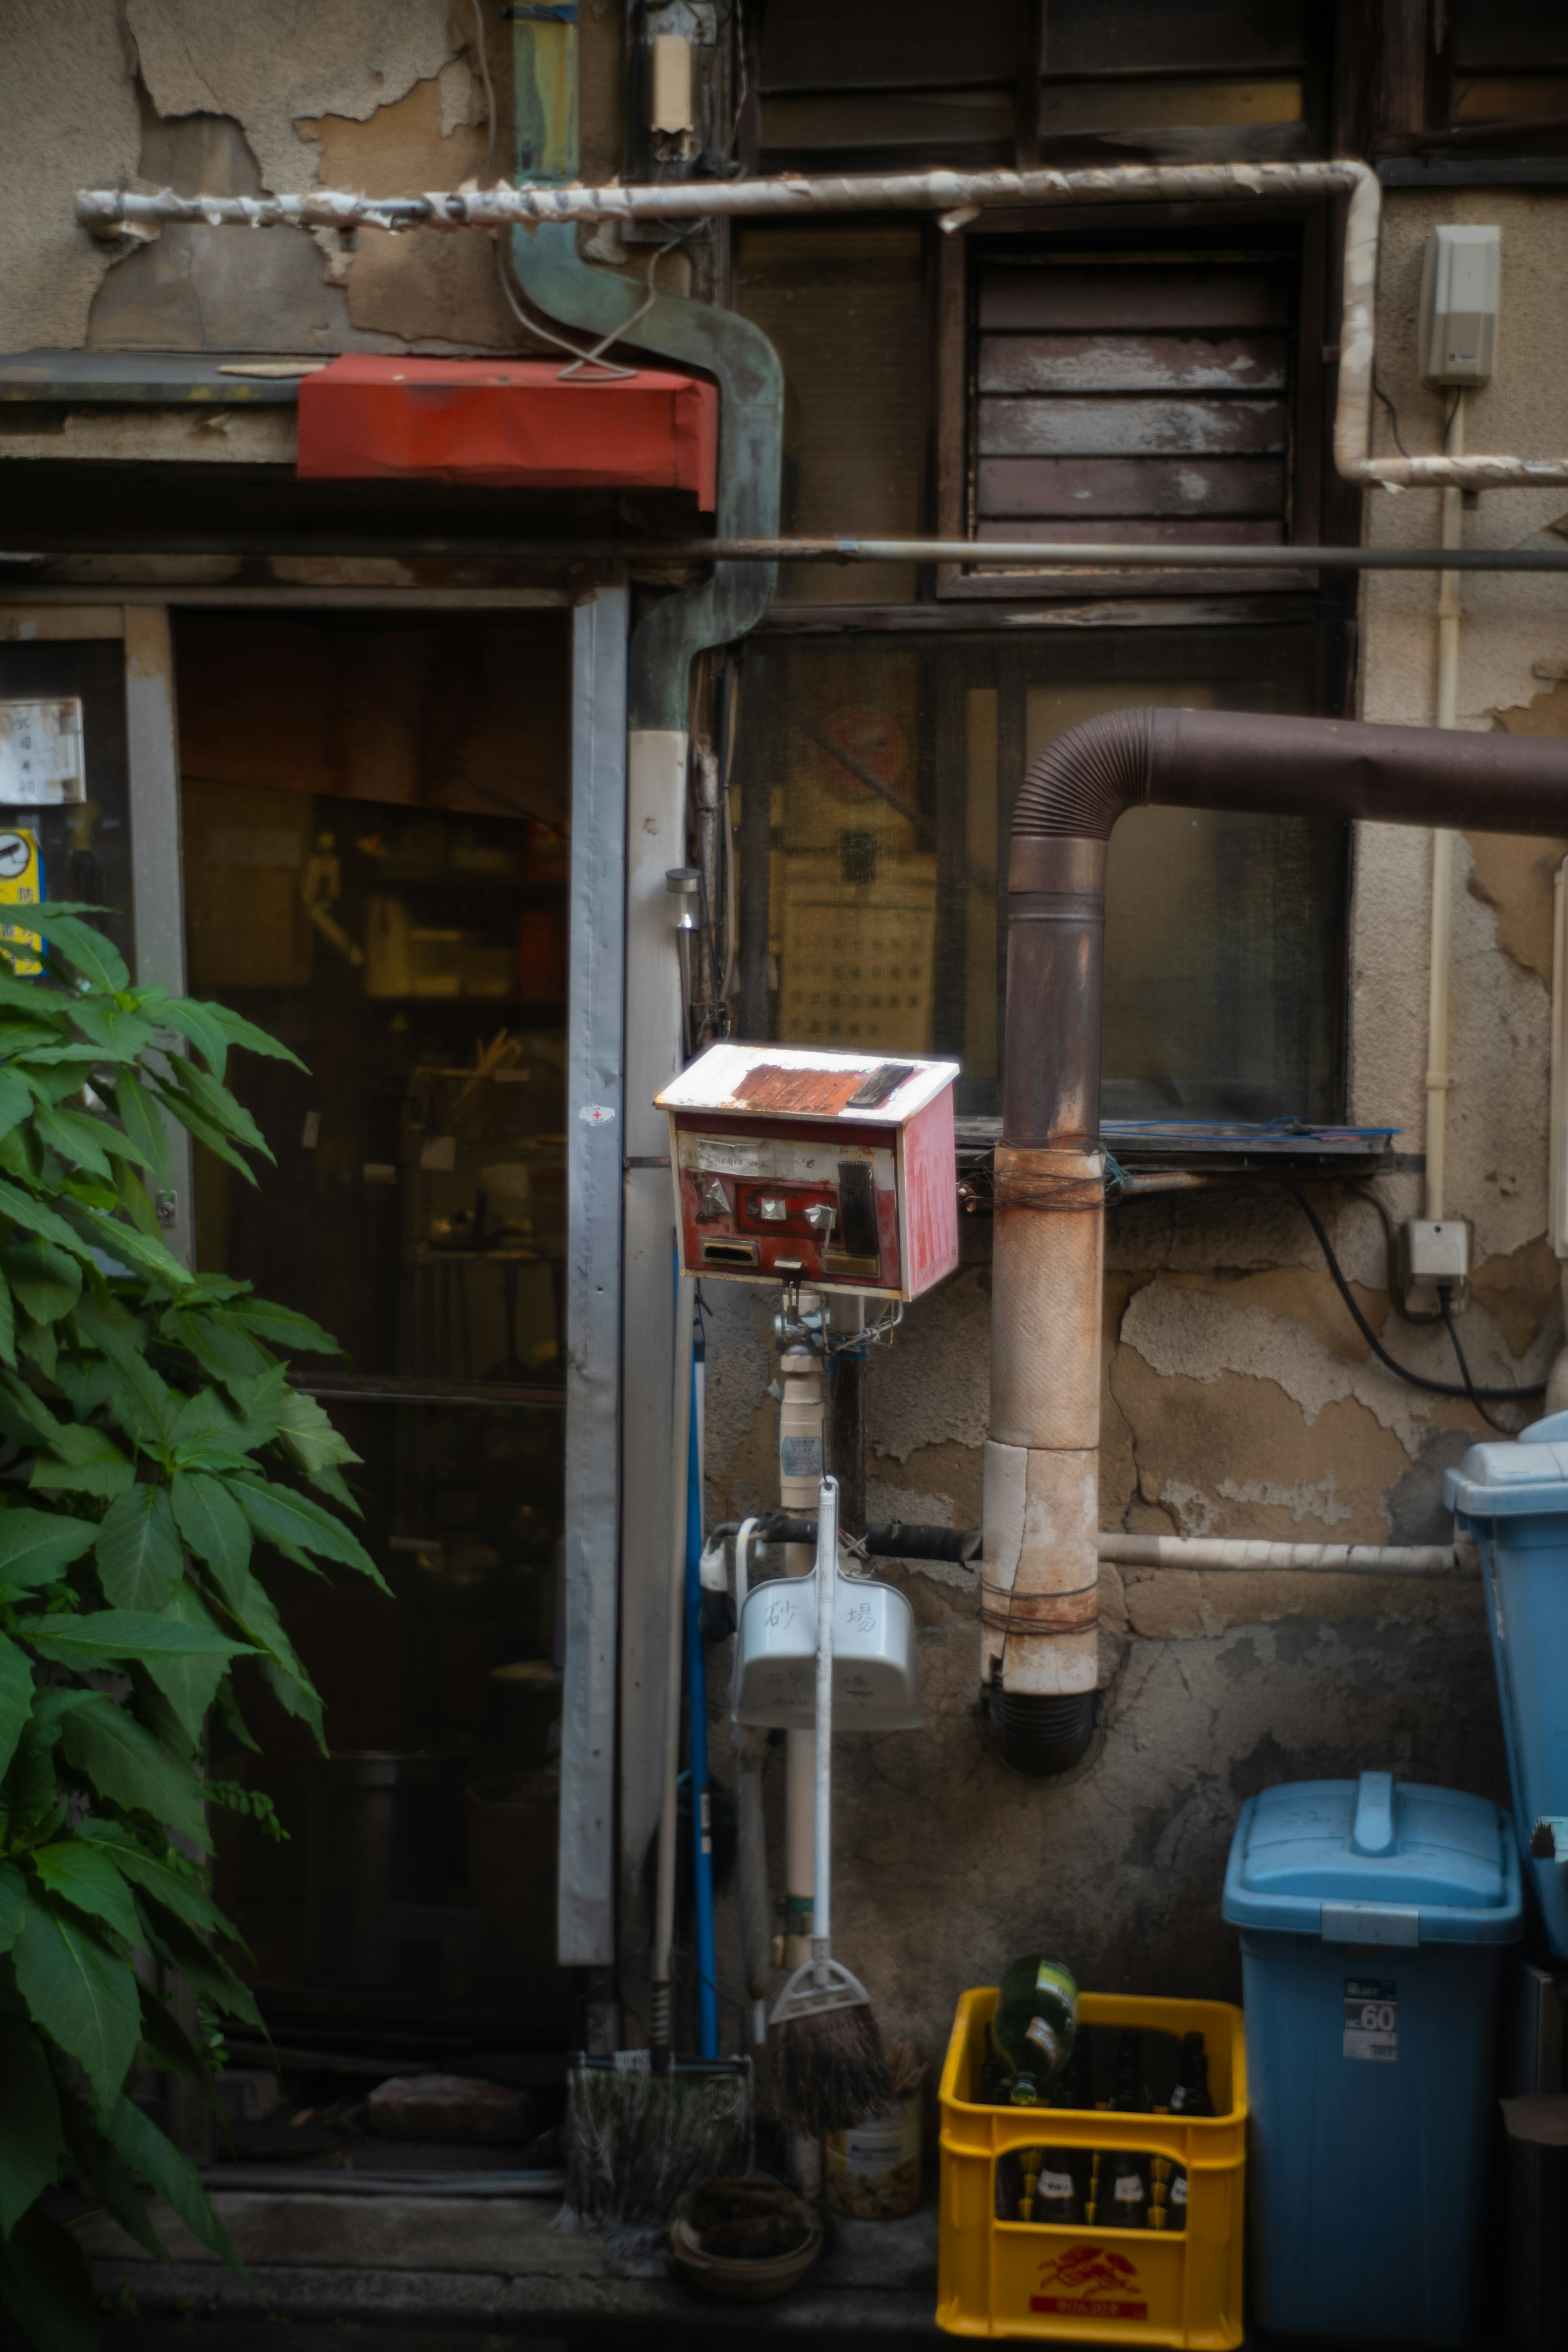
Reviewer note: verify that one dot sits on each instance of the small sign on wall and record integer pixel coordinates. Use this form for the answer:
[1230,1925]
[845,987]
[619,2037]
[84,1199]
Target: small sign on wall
[42,759]
[21,885]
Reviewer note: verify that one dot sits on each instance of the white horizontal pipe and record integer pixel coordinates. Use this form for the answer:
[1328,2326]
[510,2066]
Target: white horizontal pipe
[1243,1553]
[958,197]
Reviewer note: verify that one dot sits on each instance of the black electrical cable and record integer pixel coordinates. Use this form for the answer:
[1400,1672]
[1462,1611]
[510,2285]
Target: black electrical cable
[1446,1311]
[1471,1395]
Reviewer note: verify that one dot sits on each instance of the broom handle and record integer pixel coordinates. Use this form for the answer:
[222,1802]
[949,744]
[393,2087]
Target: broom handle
[826,1571]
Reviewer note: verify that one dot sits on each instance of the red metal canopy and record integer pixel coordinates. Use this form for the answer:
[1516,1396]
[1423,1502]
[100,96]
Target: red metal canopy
[510,421]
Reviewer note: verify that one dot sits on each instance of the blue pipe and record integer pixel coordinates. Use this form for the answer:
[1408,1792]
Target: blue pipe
[696,1691]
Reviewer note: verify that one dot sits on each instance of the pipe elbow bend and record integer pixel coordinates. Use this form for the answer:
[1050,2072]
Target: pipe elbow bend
[1087,778]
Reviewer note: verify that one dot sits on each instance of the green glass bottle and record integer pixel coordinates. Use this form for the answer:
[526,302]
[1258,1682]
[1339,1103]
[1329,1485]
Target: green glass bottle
[1035,2026]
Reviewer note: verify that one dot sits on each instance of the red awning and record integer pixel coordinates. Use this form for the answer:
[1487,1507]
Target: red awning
[510,421]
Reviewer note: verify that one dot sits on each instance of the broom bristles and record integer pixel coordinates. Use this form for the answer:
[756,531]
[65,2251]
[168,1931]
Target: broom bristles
[832,2070]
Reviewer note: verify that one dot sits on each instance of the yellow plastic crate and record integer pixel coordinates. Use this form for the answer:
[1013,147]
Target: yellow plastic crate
[1080,2284]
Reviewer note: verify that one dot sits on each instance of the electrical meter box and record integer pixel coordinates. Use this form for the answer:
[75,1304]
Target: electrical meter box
[1460,280]
[834,1170]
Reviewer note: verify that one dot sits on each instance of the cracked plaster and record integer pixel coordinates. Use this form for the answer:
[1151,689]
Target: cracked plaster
[71,121]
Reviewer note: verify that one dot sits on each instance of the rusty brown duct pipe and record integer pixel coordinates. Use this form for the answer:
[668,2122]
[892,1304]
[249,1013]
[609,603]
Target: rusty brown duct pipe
[1038,1611]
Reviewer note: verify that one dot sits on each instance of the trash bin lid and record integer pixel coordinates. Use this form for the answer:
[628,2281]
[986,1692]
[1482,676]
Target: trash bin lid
[1374,1861]
[1526,1475]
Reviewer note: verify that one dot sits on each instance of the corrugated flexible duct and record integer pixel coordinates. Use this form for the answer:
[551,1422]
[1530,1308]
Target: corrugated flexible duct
[1040,1554]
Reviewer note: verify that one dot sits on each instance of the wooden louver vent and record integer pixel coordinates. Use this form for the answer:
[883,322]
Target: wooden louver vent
[1142,404]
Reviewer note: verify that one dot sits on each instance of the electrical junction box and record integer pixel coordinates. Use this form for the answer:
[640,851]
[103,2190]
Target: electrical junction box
[1430,1251]
[1460,280]
[834,1170]
[1439,1251]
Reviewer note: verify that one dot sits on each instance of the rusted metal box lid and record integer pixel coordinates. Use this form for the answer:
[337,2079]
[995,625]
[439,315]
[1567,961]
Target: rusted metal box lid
[803,1082]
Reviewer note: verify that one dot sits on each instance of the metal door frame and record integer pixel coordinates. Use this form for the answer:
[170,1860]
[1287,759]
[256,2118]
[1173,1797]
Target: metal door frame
[595,1025]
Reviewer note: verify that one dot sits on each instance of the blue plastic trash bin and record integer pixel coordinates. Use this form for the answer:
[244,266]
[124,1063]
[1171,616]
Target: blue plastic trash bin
[1513,1499]
[1375,1917]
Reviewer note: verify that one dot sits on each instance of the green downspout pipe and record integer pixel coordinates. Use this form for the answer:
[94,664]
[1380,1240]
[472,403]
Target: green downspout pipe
[750,444]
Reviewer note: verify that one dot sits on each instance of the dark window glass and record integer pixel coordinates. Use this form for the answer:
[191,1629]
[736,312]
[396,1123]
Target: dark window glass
[1505,34]
[877,776]
[1140,37]
[842,307]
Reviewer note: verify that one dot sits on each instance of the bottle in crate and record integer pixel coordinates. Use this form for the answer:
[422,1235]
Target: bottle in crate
[1075,2094]
[1034,2027]
[1125,2174]
[1192,2096]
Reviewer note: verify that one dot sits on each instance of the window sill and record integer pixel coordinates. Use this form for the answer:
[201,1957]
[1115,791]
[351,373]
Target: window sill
[1148,1148]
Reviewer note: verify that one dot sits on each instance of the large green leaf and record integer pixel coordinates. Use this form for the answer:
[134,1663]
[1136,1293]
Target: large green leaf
[81,1994]
[87,1461]
[166,2042]
[241,1031]
[144,1404]
[200,1965]
[46,2287]
[206,1130]
[122,1241]
[161,1873]
[44,1278]
[250,1605]
[143,1125]
[198,1023]
[8,1327]
[76,1137]
[279,1515]
[13,1905]
[30,2142]
[96,958]
[113,1636]
[15,1099]
[222,1349]
[138,1549]
[214,1104]
[124,1763]
[308,1436]
[103,2173]
[121,1033]
[38,1340]
[78,1871]
[24,1413]
[15,1699]
[166,2172]
[282,1328]
[296,1697]
[37,1547]
[34,1218]
[190,1682]
[87,1378]
[211,1521]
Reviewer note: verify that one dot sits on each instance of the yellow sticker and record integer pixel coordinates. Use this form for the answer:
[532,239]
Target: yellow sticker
[21,885]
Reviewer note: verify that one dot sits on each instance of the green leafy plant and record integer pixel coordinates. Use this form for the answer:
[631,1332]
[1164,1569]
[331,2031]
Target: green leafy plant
[145,1414]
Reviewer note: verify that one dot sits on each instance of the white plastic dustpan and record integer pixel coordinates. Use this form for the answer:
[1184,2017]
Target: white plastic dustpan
[876,1681]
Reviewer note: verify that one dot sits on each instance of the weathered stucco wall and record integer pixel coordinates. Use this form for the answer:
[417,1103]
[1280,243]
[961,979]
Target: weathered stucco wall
[155,93]
[1238,1398]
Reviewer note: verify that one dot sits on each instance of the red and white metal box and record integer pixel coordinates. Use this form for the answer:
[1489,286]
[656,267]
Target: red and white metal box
[832,1170]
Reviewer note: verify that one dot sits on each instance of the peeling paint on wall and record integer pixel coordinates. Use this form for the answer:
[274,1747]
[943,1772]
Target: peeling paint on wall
[70,119]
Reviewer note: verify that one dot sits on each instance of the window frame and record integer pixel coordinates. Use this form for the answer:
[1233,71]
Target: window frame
[1223,652]
[1299,232]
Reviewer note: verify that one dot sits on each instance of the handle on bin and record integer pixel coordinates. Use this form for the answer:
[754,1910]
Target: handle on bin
[1372,1831]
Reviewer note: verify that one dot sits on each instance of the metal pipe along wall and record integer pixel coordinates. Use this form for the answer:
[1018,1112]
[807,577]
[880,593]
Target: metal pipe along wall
[956,196]
[1042,1542]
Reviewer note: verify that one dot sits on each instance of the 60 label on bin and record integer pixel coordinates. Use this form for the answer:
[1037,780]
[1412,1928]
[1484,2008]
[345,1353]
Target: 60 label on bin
[1372,2018]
